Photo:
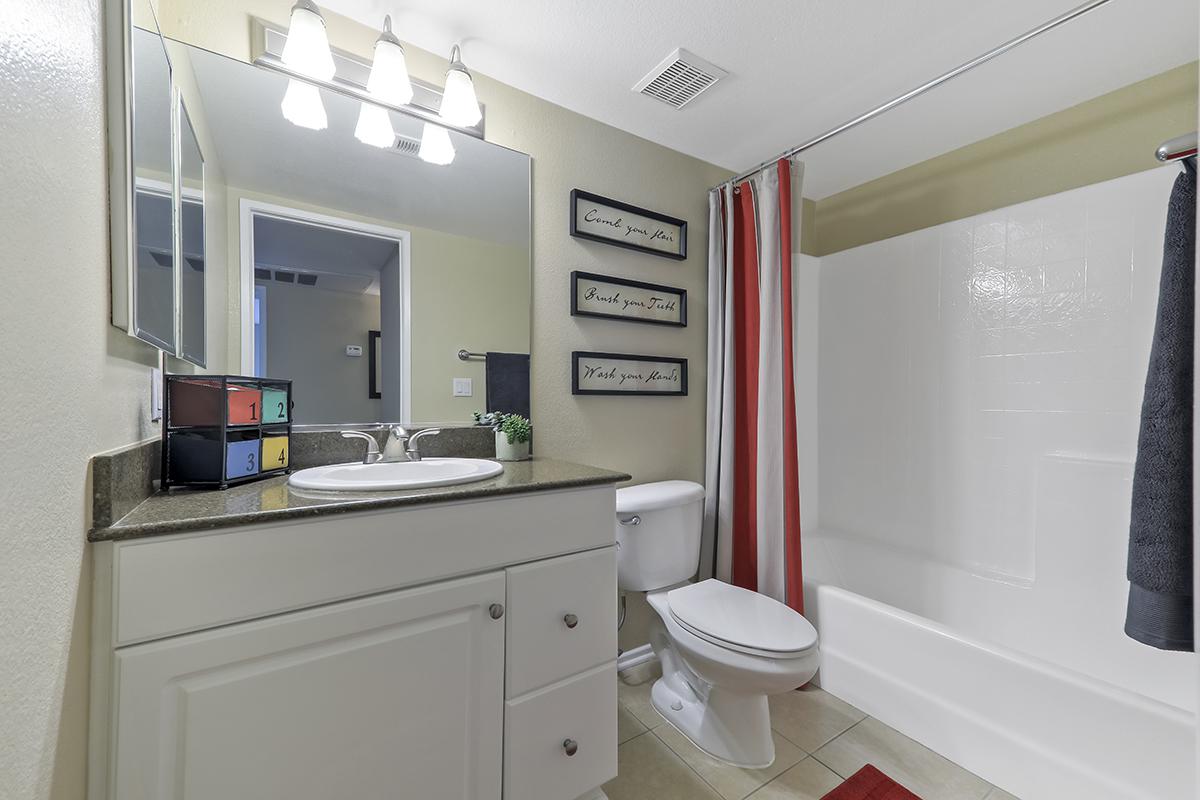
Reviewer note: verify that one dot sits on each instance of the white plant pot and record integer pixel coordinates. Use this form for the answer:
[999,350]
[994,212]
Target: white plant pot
[510,452]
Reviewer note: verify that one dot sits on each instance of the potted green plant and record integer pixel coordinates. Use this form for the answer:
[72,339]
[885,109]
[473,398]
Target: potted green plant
[513,433]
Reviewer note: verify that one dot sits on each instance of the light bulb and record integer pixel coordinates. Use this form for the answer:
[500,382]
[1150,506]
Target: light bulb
[374,126]
[302,106]
[389,79]
[459,105]
[307,47]
[436,147]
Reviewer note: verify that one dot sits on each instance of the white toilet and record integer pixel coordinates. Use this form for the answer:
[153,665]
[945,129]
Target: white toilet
[723,649]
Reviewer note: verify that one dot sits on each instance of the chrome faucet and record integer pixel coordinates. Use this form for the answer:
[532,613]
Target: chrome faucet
[396,446]
[372,455]
[413,453]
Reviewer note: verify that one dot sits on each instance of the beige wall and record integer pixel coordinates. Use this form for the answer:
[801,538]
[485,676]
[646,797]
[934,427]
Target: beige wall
[1109,136]
[73,384]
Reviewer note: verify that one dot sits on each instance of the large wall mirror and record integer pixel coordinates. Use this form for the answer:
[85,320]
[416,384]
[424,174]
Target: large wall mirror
[156,191]
[356,270]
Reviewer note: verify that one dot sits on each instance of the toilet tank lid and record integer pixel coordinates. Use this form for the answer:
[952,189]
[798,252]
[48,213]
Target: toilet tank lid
[653,496]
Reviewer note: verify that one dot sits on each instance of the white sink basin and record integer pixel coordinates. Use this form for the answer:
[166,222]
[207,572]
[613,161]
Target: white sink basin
[395,475]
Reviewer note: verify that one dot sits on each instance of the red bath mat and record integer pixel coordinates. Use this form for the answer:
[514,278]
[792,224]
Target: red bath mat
[870,784]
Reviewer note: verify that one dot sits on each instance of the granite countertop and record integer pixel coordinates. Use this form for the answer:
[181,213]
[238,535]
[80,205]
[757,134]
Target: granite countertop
[272,500]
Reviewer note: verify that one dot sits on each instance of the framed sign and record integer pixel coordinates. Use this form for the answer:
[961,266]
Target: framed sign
[595,295]
[624,373]
[613,222]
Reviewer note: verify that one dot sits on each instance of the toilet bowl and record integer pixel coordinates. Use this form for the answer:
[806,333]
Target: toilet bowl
[723,649]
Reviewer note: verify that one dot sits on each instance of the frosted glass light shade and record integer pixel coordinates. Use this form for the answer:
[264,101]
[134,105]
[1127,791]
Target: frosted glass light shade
[436,147]
[307,47]
[302,106]
[459,104]
[389,79]
[374,126]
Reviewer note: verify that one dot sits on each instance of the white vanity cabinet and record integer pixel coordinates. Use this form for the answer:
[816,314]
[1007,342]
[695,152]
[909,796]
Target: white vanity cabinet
[456,651]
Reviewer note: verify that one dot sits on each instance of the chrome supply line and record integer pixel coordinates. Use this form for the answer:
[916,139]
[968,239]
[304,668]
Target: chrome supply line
[1062,19]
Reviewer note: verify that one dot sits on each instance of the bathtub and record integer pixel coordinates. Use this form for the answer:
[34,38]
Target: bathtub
[1037,728]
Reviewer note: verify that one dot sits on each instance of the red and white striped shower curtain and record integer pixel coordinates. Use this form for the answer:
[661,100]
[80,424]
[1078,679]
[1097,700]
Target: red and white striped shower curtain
[752,506]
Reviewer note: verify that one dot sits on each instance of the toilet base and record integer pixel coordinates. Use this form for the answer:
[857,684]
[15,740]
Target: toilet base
[734,728]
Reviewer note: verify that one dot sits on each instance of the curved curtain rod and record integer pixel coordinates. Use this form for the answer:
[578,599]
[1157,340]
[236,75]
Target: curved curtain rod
[923,88]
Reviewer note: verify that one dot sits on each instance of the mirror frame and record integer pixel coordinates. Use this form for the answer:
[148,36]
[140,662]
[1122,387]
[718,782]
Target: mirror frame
[179,117]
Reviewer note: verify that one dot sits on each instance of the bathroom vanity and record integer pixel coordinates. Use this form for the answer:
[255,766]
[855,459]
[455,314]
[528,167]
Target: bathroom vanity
[446,643]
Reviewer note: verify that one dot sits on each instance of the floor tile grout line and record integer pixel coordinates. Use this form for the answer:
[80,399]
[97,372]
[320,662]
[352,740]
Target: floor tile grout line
[689,767]
[835,738]
[693,769]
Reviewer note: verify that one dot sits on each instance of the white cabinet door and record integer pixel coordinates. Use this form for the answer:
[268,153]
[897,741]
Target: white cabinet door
[398,695]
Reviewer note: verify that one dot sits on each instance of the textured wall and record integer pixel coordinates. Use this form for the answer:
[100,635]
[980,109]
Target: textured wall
[73,385]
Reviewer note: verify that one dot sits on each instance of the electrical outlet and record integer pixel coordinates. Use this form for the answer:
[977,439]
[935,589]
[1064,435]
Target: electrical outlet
[463,387]
[156,381]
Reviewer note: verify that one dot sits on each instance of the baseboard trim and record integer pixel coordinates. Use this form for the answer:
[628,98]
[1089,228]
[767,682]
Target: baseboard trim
[632,658]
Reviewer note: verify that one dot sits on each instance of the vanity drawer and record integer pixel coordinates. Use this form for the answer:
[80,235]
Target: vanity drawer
[541,731]
[562,618]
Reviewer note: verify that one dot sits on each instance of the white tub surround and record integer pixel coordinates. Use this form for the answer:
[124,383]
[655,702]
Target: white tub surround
[979,392]
[460,649]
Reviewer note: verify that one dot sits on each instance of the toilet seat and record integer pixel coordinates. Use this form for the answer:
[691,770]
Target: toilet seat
[741,620]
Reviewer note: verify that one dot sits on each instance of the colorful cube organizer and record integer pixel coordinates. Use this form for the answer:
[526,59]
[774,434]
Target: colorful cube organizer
[222,430]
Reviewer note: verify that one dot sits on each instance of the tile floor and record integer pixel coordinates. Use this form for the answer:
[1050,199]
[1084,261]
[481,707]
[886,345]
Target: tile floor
[819,741]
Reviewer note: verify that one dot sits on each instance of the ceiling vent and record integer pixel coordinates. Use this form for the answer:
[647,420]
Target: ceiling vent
[407,146]
[679,79]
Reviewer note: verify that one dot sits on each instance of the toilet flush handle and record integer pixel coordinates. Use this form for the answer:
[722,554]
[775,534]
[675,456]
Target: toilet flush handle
[634,520]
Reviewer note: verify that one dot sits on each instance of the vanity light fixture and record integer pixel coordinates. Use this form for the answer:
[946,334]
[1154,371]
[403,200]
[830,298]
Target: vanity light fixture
[302,106]
[389,79]
[459,105]
[307,47]
[436,147]
[307,51]
[390,83]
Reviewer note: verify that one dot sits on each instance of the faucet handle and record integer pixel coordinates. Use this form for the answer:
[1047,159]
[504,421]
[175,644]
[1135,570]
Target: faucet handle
[373,453]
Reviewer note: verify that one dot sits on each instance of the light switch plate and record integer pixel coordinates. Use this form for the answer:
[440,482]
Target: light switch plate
[354,350]
[463,387]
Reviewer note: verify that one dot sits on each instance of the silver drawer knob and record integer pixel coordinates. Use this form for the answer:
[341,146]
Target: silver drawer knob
[570,747]
[496,610]
[571,620]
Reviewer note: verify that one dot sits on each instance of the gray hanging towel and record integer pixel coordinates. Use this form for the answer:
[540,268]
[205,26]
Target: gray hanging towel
[1160,528]
[508,383]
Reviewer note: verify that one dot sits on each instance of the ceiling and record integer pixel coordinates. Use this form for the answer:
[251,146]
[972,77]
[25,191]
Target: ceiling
[343,260]
[484,194]
[800,67]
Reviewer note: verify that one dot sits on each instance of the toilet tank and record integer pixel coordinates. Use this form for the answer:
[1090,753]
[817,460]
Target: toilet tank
[658,534]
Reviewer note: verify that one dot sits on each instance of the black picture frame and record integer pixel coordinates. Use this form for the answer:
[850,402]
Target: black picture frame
[579,194]
[577,355]
[372,367]
[576,311]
